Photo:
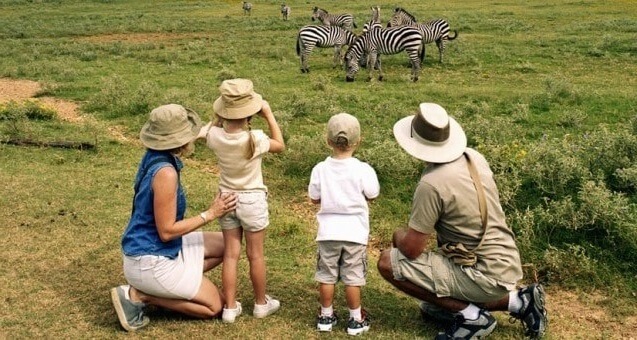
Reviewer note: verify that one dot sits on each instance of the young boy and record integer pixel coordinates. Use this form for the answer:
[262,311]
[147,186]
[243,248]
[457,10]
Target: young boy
[342,185]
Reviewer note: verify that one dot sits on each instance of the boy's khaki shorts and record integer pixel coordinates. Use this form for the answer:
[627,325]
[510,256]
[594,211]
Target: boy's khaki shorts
[438,274]
[342,260]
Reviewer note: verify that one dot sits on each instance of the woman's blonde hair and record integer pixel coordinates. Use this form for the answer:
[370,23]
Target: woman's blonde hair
[184,150]
[250,147]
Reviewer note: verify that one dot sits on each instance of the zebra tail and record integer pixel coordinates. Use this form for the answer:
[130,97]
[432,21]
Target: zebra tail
[422,53]
[455,35]
[298,44]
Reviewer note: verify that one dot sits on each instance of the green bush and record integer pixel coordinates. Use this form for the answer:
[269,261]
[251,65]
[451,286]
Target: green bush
[29,109]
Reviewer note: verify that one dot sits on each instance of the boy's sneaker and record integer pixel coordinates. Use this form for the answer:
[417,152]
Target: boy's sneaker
[324,323]
[470,329]
[429,311]
[229,314]
[271,306]
[356,327]
[532,314]
[130,314]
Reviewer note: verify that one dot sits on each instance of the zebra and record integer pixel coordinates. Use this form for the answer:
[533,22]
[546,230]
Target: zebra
[384,41]
[435,30]
[401,18]
[321,36]
[345,21]
[247,8]
[374,22]
[285,11]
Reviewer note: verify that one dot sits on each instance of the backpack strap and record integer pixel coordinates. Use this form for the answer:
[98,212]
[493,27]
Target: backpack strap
[482,202]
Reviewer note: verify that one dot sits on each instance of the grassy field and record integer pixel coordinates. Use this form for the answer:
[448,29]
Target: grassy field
[545,89]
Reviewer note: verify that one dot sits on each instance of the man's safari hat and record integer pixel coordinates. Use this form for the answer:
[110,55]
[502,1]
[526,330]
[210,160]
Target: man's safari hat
[344,125]
[237,100]
[169,127]
[431,135]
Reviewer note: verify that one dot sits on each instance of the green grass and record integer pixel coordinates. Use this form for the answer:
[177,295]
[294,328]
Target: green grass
[523,78]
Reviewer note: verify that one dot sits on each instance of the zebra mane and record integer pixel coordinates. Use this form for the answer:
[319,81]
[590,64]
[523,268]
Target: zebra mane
[400,9]
[316,9]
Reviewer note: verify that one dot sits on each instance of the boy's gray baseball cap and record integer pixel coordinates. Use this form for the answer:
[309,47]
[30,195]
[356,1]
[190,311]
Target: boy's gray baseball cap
[344,125]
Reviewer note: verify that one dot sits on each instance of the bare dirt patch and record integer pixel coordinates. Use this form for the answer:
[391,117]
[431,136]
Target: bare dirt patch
[21,90]
[579,316]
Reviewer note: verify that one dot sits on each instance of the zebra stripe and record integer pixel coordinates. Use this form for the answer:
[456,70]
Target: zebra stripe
[384,41]
[285,11]
[311,36]
[345,21]
[247,8]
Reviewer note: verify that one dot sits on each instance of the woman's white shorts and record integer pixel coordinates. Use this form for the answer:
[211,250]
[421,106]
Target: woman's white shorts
[178,278]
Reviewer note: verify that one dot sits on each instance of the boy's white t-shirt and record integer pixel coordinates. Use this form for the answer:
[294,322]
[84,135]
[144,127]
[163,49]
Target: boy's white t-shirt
[237,172]
[343,186]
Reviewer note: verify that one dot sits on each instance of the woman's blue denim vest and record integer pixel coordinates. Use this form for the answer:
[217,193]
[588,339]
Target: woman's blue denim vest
[141,236]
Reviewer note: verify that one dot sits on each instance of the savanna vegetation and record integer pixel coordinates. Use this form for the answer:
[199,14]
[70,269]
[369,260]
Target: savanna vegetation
[544,89]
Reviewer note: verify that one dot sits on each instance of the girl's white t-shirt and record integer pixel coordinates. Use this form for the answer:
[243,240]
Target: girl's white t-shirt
[237,172]
[343,186]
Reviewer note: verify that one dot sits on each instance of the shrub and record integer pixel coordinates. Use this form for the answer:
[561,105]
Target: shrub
[29,109]
[571,265]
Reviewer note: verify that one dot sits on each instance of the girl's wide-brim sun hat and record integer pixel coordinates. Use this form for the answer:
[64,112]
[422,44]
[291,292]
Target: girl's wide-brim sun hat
[169,127]
[431,135]
[237,100]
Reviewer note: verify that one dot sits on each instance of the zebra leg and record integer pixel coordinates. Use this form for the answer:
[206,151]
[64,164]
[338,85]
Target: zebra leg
[415,69]
[304,63]
[305,55]
[337,56]
[441,48]
[371,62]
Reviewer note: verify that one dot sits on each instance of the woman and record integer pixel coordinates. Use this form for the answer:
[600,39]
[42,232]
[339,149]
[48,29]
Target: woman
[164,257]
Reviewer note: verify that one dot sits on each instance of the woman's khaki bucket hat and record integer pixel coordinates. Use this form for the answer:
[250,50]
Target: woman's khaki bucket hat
[237,100]
[169,127]
[431,135]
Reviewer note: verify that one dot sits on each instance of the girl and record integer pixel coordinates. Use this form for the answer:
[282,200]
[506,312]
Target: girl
[239,151]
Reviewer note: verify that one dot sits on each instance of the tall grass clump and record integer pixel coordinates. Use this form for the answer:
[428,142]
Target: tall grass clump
[118,98]
[28,109]
[17,118]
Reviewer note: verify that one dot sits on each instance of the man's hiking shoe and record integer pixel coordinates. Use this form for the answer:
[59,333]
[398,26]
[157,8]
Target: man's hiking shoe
[532,314]
[130,314]
[431,312]
[469,329]
[324,323]
[356,327]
